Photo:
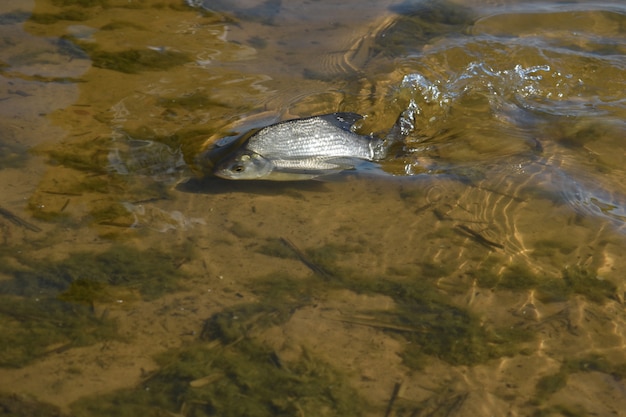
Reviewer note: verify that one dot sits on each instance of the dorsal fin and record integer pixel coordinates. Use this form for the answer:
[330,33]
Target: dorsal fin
[344,120]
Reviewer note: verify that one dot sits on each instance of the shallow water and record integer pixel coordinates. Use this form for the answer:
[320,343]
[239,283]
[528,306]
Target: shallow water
[478,270]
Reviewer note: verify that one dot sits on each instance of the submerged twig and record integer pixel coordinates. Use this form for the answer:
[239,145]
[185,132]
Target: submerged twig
[480,238]
[18,221]
[394,396]
[305,260]
[375,324]
[63,193]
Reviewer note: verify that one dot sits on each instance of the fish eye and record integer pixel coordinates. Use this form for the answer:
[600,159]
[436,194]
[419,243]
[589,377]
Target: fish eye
[238,168]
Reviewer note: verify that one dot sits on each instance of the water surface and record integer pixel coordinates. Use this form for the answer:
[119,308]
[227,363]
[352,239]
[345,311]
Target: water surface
[478,270]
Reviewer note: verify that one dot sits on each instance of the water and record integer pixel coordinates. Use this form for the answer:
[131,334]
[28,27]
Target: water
[478,270]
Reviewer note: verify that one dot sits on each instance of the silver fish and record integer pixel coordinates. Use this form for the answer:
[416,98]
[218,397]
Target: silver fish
[302,149]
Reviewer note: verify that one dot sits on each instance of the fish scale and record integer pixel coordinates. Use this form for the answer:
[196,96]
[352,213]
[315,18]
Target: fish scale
[313,137]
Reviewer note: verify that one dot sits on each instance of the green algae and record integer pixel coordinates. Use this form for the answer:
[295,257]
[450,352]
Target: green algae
[70,14]
[548,247]
[35,326]
[51,216]
[513,277]
[84,291]
[584,282]
[553,383]
[562,410]
[518,277]
[49,305]
[193,101]
[134,61]
[233,324]
[81,3]
[279,295]
[71,10]
[150,272]
[243,379]
[595,363]
[329,254]
[15,405]
[550,384]
[285,293]
[103,169]
[111,213]
[435,270]
[576,280]
[90,156]
[122,24]
[423,316]
[573,280]
[434,327]
[227,372]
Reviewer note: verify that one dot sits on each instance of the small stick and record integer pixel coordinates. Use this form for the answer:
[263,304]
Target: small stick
[302,257]
[394,396]
[375,324]
[18,221]
[480,238]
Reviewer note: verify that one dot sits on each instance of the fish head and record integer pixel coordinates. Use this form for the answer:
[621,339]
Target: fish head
[244,165]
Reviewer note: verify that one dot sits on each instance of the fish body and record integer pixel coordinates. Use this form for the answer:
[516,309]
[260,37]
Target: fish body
[302,149]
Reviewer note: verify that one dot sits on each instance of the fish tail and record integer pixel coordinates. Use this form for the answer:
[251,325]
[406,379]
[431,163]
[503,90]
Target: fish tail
[404,125]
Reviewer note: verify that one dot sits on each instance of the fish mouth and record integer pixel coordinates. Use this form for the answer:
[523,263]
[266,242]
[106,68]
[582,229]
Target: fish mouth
[221,174]
[224,170]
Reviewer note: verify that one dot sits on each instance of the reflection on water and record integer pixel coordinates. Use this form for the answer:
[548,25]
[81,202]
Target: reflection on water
[477,270]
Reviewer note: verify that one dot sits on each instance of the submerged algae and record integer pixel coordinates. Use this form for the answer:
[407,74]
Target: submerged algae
[47,306]
[236,323]
[435,327]
[242,379]
[151,272]
[89,157]
[102,180]
[573,280]
[122,24]
[15,405]
[193,101]
[551,384]
[34,327]
[423,315]
[133,61]
[70,14]
[228,372]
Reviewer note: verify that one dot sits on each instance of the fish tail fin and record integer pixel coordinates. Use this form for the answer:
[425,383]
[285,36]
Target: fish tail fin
[404,125]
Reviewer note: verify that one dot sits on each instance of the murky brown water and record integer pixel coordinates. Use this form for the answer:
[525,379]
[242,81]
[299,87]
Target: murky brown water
[477,271]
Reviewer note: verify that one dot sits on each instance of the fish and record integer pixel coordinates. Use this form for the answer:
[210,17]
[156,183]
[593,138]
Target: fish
[302,149]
